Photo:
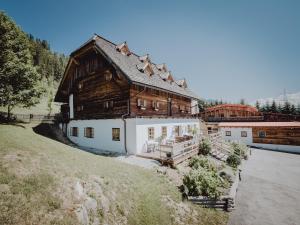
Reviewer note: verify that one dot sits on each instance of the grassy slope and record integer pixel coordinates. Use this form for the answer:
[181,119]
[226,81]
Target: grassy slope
[38,178]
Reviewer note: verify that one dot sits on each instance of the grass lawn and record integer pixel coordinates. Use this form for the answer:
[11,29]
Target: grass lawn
[43,181]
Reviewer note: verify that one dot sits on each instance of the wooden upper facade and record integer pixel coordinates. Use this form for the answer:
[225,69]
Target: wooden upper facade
[109,81]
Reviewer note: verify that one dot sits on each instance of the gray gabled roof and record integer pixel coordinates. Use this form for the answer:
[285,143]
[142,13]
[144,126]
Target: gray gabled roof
[128,64]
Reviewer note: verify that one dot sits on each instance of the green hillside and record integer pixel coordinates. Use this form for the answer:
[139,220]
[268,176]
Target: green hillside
[43,181]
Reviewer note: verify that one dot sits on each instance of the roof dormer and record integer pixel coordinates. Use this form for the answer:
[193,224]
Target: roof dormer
[181,83]
[123,48]
[145,58]
[167,76]
[162,67]
[145,68]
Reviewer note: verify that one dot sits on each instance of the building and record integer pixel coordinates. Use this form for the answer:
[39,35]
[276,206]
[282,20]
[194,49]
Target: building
[283,136]
[231,112]
[117,101]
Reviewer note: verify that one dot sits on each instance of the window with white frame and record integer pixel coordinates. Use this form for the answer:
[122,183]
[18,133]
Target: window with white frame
[164,131]
[243,133]
[116,134]
[228,133]
[151,133]
[89,132]
[74,131]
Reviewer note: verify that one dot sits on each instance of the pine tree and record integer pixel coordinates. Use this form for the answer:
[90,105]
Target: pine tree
[18,76]
[257,105]
[293,110]
[242,101]
[286,108]
[267,107]
[273,108]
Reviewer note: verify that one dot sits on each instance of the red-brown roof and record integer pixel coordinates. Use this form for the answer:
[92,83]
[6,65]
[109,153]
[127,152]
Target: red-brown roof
[234,106]
[259,124]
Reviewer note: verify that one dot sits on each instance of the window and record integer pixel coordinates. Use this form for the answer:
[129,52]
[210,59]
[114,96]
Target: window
[243,133]
[155,105]
[116,134]
[190,130]
[177,130]
[74,131]
[150,133]
[164,131]
[262,134]
[89,132]
[79,108]
[228,133]
[142,103]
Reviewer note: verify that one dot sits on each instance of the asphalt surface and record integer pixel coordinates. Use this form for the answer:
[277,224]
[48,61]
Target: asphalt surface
[269,192]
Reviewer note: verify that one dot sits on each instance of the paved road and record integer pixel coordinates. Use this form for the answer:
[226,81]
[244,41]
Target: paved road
[269,192]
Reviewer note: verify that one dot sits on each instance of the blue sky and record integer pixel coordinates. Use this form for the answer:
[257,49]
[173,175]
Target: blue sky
[225,49]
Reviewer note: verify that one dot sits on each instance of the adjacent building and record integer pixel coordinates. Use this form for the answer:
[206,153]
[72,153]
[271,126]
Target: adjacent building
[283,136]
[116,100]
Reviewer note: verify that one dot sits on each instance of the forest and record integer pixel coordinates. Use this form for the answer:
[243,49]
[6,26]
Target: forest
[30,71]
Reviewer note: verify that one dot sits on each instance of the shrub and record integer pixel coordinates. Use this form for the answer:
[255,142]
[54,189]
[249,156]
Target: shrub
[202,182]
[204,147]
[240,149]
[233,160]
[202,161]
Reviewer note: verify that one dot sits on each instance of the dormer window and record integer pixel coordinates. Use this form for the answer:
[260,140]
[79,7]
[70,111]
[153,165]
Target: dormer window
[123,48]
[145,58]
[167,76]
[181,83]
[145,68]
[162,67]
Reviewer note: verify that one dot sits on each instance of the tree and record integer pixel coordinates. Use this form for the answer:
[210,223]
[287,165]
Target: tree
[201,105]
[273,107]
[298,109]
[293,109]
[18,77]
[242,101]
[257,105]
[286,108]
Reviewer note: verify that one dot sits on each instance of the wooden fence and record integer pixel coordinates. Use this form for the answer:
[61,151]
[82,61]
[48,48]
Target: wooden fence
[28,118]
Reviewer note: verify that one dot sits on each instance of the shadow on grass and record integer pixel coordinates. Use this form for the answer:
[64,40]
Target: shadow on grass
[14,123]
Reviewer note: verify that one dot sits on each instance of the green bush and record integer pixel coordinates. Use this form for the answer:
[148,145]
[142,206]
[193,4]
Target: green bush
[233,160]
[202,182]
[240,149]
[202,161]
[204,147]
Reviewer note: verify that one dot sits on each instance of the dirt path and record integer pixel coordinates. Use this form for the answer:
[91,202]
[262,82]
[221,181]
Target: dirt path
[270,190]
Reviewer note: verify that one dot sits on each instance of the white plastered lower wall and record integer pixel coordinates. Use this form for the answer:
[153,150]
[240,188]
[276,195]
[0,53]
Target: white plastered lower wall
[137,130]
[102,134]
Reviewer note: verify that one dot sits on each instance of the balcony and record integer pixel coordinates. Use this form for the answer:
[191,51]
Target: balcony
[172,152]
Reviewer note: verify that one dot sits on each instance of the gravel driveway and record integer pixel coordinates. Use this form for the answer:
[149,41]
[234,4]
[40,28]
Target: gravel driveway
[269,192]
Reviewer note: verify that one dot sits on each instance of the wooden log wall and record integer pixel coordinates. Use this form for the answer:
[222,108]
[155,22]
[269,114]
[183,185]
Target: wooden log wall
[99,92]
[277,135]
[180,106]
